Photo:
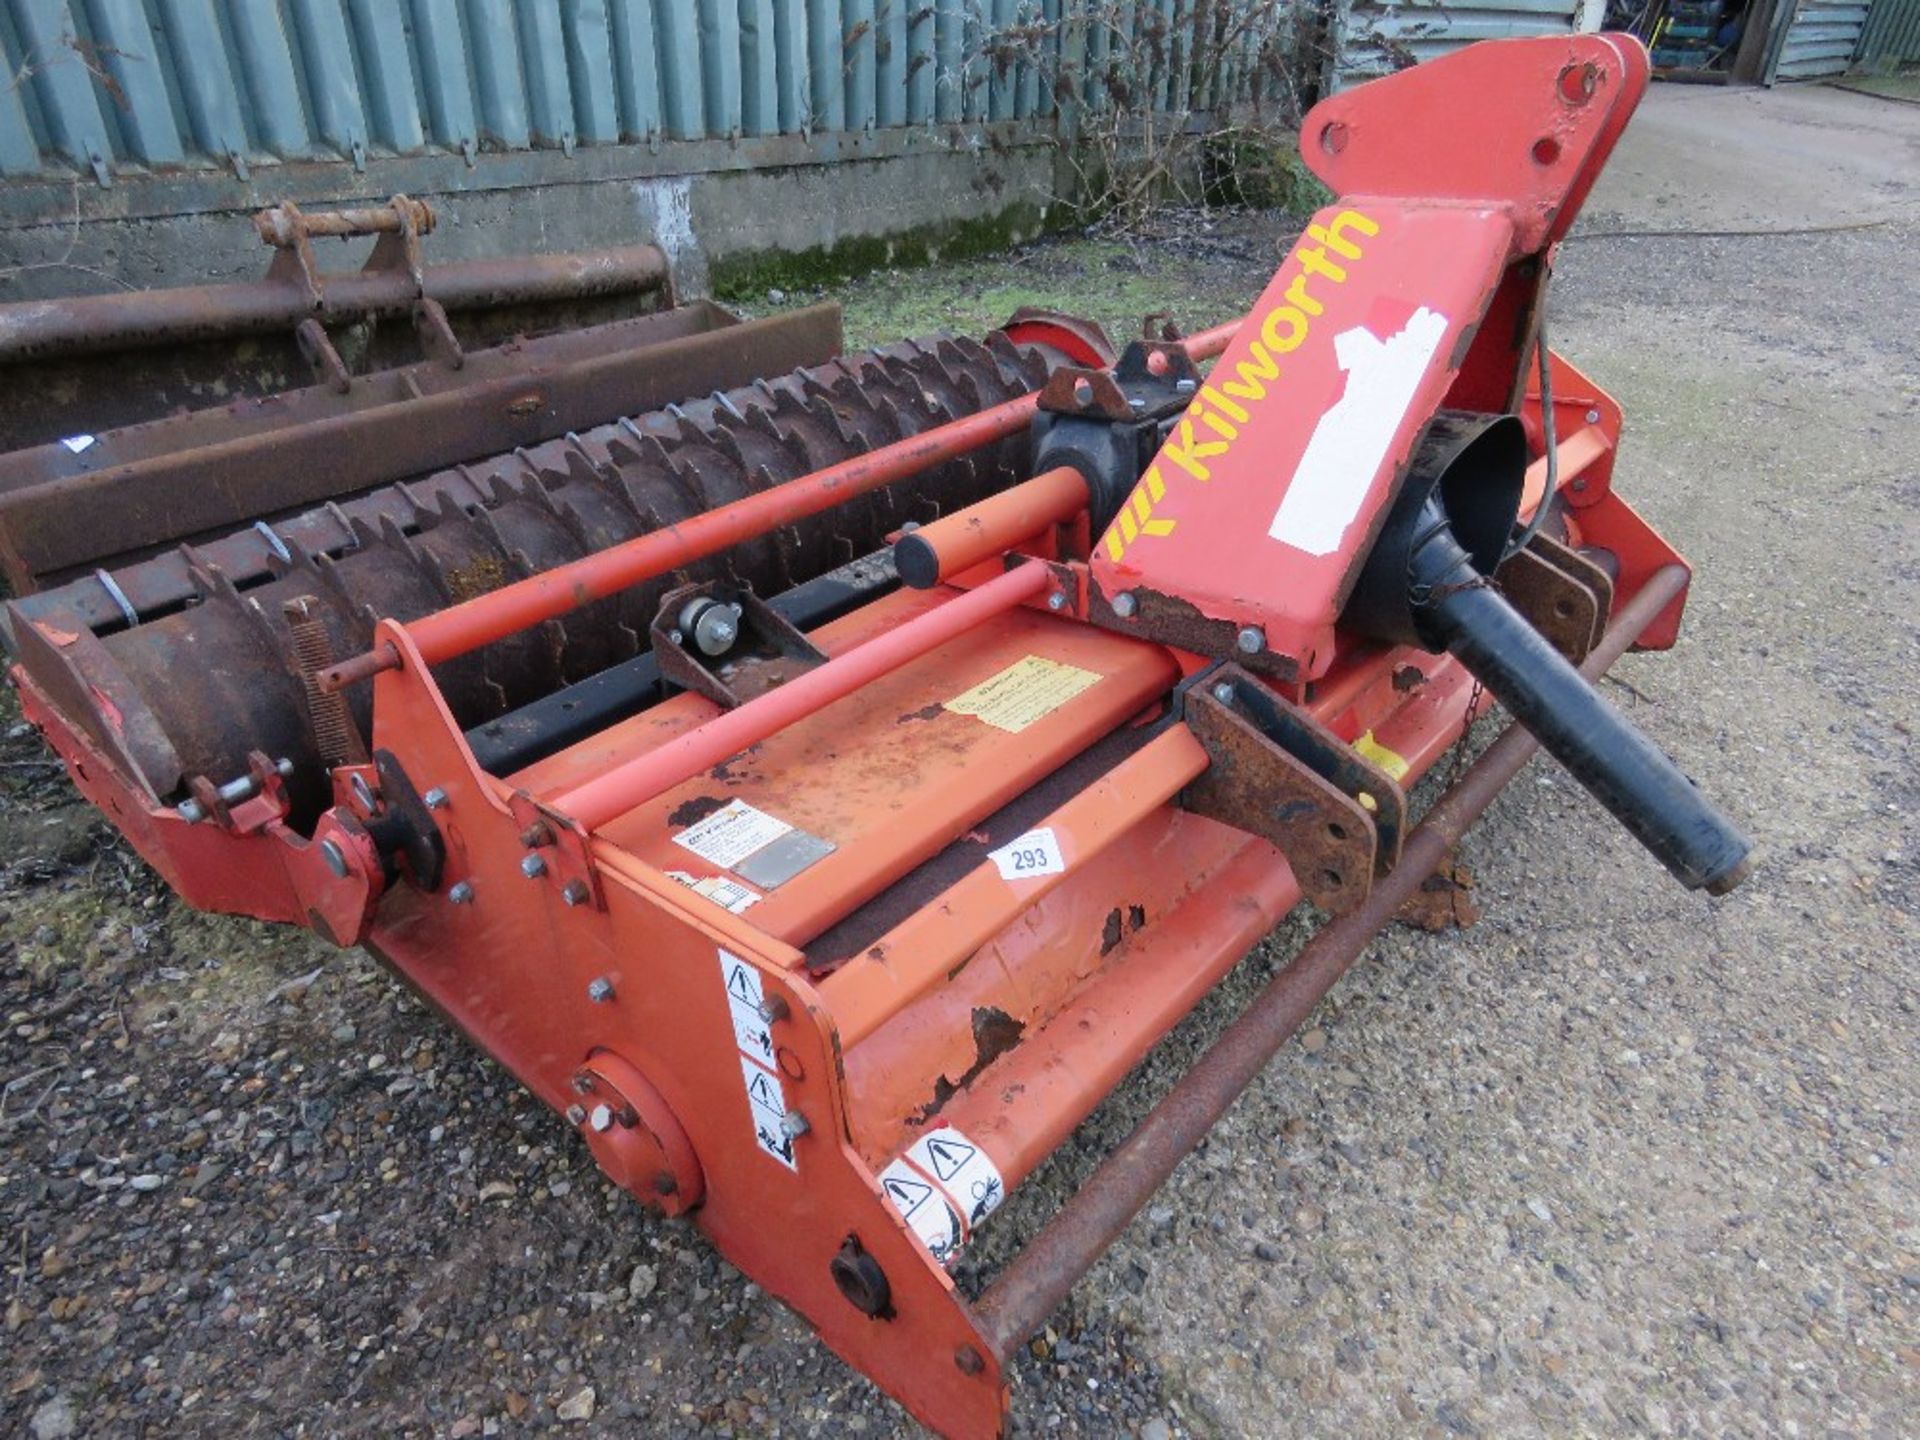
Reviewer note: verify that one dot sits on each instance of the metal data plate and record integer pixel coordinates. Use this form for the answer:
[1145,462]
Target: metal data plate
[778,861]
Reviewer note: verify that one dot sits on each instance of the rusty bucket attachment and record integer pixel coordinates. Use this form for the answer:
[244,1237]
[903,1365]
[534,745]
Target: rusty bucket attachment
[881,758]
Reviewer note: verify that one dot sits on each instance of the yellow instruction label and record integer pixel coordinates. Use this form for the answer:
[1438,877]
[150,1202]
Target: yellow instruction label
[1026,691]
[1395,765]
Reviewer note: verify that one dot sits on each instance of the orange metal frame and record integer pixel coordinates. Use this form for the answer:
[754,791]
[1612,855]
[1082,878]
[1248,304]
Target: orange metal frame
[799,1076]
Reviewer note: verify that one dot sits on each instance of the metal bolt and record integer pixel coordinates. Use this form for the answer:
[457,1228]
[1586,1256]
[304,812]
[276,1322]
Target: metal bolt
[435,799]
[1124,604]
[1252,640]
[1593,417]
[574,892]
[336,858]
[600,990]
[1083,392]
[1186,385]
[1057,600]
[362,792]
[793,1125]
[1579,484]
[460,892]
[583,1084]
[233,792]
[1223,692]
[774,1009]
[601,1118]
[907,527]
[1137,402]
[576,1114]
[533,867]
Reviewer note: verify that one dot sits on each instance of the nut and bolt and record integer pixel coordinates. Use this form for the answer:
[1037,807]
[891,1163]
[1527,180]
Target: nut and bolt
[336,858]
[536,835]
[576,1114]
[1251,640]
[435,799]
[601,1117]
[1138,403]
[1223,692]
[460,892]
[533,866]
[1124,605]
[574,892]
[600,990]
[363,795]
[793,1125]
[231,793]
[1593,417]
[774,1009]
[1057,600]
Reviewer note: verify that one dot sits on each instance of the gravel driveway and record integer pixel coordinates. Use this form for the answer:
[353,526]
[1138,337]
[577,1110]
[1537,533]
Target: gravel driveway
[1618,1160]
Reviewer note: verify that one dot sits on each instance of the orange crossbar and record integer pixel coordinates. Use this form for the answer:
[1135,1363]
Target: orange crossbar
[596,801]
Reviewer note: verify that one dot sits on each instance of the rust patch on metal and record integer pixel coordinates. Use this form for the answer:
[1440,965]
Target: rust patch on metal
[1110,932]
[691,812]
[1443,902]
[994,1033]
[925,712]
[1408,677]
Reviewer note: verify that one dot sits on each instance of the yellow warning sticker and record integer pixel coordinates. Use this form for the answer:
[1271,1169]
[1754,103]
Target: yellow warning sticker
[1026,691]
[1394,764]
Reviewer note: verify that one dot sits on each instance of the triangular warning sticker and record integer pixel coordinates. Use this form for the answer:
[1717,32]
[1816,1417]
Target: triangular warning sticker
[740,985]
[761,1089]
[905,1193]
[948,1156]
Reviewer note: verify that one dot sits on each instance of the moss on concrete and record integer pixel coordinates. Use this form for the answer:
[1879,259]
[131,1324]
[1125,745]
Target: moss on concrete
[755,273]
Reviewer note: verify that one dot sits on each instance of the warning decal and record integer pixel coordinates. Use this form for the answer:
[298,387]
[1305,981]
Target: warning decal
[729,895]
[963,1171]
[943,1187]
[925,1208]
[1026,691]
[759,1074]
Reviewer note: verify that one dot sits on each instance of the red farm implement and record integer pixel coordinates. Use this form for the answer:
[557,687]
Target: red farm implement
[824,793]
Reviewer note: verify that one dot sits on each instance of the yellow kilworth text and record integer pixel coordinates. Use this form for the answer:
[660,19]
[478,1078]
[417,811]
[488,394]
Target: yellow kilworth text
[1225,403]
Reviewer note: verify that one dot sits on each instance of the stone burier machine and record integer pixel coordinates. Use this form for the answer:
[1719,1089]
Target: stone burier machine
[823,794]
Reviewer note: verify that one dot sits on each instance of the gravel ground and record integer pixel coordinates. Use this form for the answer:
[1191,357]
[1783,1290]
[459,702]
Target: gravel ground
[1617,1160]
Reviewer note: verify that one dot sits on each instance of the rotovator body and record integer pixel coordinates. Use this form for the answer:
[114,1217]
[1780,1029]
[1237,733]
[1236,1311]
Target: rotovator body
[826,892]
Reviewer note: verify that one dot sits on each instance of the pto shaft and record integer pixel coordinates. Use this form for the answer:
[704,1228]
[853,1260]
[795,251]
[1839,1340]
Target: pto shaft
[1622,769]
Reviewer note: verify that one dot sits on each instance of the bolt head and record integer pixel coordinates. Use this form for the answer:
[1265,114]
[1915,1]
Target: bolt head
[335,857]
[435,799]
[1251,641]
[601,1118]
[576,1114]
[793,1125]
[600,990]
[1593,417]
[1057,601]
[1223,692]
[574,892]
[533,866]
[1137,403]
[461,892]
[1186,385]
[1124,605]
[362,792]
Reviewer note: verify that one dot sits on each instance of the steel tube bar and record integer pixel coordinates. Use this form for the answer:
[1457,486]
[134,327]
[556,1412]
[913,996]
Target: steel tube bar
[625,786]
[936,552]
[463,628]
[41,329]
[1033,1286]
